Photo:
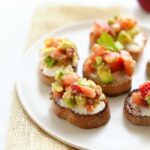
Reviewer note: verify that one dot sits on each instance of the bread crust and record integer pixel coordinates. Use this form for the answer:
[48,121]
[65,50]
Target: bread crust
[133,115]
[83,121]
[46,79]
[113,89]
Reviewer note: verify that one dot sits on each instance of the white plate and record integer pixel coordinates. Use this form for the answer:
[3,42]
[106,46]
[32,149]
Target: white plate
[34,96]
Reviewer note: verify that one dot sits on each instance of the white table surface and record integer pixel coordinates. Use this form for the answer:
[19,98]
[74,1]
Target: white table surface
[15,17]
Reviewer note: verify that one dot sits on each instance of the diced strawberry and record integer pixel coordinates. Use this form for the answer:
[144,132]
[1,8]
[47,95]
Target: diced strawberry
[98,50]
[137,98]
[115,28]
[70,52]
[88,66]
[144,89]
[114,60]
[103,25]
[69,79]
[51,42]
[109,57]
[127,23]
[56,54]
[76,88]
[89,92]
[57,95]
[89,108]
[128,62]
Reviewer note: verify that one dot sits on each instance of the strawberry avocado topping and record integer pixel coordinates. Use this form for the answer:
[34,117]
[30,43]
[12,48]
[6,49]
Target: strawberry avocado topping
[142,97]
[114,34]
[75,91]
[59,52]
[104,61]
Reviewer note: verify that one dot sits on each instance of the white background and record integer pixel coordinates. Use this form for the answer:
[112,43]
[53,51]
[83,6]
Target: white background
[15,17]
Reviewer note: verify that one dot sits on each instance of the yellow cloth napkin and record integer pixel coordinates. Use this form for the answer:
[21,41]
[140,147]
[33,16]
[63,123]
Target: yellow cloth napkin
[23,133]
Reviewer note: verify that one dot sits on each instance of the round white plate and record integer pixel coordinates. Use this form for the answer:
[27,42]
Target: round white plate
[34,96]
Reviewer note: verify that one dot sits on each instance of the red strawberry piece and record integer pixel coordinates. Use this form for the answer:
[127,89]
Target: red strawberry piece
[103,25]
[114,60]
[144,89]
[75,88]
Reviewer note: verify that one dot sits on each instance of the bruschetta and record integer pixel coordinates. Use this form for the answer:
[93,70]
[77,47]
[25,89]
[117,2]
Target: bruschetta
[111,68]
[122,30]
[78,100]
[56,53]
[137,105]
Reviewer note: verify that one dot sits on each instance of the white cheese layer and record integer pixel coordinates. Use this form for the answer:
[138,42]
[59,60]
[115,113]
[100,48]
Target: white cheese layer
[50,72]
[145,111]
[82,110]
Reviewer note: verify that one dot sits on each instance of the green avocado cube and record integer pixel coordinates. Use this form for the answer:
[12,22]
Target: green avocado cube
[69,99]
[104,74]
[124,37]
[134,31]
[66,44]
[80,101]
[56,87]
[98,60]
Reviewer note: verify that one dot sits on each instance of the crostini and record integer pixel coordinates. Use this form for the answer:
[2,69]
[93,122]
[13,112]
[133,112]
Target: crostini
[110,67]
[56,53]
[137,105]
[122,30]
[78,100]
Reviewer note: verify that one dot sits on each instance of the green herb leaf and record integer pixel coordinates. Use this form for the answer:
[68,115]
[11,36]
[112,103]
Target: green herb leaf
[50,62]
[107,41]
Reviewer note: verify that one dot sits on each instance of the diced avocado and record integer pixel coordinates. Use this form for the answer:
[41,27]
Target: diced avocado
[80,101]
[66,44]
[118,45]
[69,99]
[59,74]
[124,37]
[104,74]
[111,21]
[70,102]
[98,60]
[85,82]
[57,87]
[134,31]
[46,50]
[50,62]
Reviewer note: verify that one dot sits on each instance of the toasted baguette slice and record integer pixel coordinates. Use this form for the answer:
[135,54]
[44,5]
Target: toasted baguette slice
[83,121]
[137,47]
[148,68]
[46,79]
[123,85]
[133,114]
